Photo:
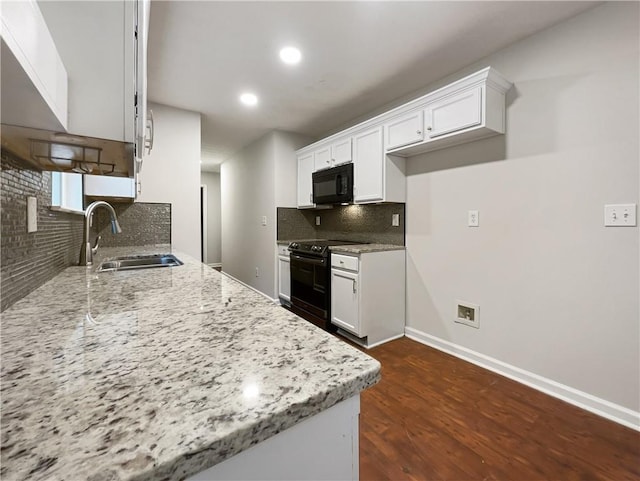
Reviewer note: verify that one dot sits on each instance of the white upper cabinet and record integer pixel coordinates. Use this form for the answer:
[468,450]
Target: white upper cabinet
[377,177]
[322,158]
[341,152]
[404,130]
[333,154]
[101,186]
[143,118]
[96,41]
[305,181]
[453,113]
[34,78]
[471,108]
[368,166]
[468,109]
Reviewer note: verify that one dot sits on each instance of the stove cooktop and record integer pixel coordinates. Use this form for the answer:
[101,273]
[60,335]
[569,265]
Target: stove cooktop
[318,247]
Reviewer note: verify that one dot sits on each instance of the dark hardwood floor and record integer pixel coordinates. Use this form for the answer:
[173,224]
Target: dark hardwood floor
[436,417]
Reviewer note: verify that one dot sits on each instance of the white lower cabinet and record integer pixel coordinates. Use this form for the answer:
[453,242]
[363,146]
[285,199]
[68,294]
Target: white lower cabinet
[368,296]
[345,301]
[284,274]
[294,454]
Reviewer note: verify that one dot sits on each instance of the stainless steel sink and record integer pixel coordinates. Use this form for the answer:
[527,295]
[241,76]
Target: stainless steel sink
[139,262]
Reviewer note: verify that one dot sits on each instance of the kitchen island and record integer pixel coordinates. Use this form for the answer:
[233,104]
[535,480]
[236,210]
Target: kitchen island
[162,373]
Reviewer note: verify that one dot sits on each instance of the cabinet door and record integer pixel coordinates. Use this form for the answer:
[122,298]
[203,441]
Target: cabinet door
[405,130]
[453,113]
[284,278]
[341,152]
[345,307]
[96,43]
[305,182]
[322,158]
[368,166]
[141,38]
[105,186]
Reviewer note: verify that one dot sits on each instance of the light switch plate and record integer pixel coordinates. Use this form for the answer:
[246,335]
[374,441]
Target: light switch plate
[264,220]
[32,214]
[620,215]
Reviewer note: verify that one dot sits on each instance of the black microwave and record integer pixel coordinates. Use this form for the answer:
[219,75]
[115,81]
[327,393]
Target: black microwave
[333,186]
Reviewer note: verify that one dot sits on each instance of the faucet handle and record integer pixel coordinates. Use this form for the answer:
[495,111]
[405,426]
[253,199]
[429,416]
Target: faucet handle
[94,249]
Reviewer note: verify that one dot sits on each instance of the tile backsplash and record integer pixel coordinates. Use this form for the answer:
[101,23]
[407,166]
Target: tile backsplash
[28,260]
[142,224]
[361,223]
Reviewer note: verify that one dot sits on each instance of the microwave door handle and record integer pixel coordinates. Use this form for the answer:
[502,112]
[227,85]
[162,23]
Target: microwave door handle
[339,185]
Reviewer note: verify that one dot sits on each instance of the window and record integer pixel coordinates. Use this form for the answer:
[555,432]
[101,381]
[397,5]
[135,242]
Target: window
[66,192]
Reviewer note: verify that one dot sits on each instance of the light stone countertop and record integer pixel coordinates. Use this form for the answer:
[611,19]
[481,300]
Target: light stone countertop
[364,248]
[157,374]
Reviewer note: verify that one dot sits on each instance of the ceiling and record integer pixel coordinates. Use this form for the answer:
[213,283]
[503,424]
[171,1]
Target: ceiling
[357,56]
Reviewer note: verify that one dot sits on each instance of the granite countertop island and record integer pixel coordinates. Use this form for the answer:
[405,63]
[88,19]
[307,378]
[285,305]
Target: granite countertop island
[158,374]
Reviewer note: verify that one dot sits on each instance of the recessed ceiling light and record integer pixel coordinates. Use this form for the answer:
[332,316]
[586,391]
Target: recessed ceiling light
[290,55]
[249,99]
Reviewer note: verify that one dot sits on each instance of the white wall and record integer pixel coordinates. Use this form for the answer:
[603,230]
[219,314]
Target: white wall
[285,145]
[214,239]
[171,173]
[253,183]
[247,194]
[558,292]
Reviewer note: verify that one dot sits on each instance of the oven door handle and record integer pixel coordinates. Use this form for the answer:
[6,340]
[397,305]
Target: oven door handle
[309,260]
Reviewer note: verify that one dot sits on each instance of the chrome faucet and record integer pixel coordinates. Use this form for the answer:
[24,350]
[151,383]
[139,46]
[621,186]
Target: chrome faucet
[87,252]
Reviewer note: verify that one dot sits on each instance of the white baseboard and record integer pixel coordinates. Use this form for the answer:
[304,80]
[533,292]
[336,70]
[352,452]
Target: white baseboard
[362,343]
[250,287]
[601,407]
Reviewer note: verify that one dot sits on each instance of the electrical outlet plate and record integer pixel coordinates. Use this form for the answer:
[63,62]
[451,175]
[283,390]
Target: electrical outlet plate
[395,220]
[473,220]
[32,214]
[317,220]
[620,215]
[467,313]
[264,220]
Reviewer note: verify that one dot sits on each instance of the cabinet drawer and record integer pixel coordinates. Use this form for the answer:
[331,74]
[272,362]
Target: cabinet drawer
[283,250]
[344,262]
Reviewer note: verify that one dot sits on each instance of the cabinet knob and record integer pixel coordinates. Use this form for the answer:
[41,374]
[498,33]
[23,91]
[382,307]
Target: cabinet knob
[428,128]
[418,132]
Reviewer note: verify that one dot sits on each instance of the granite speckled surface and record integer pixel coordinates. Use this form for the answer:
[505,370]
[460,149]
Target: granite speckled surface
[364,248]
[158,373]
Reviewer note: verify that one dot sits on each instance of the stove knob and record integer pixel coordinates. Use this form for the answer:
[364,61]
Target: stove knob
[294,245]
